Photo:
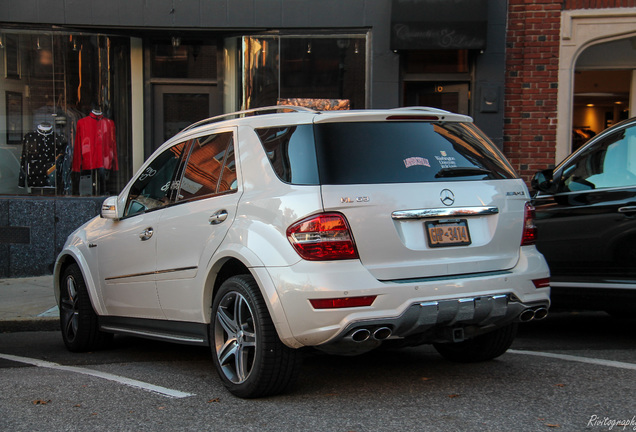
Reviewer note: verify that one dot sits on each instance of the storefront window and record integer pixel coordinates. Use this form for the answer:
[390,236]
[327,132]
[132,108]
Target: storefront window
[316,71]
[65,114]
[183,59]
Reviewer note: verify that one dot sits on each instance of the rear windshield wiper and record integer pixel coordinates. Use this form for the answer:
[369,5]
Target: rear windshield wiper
[462,172]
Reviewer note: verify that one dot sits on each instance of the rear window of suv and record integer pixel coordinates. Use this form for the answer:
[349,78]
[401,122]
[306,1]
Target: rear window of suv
[387,152]
[406,152]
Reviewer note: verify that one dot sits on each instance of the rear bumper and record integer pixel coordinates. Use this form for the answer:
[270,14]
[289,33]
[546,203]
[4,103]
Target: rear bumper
[451,320]
[476,303]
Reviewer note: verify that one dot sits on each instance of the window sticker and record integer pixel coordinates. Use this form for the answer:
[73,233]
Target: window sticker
[446,161]
[149,172]
[414,161]
[190,186]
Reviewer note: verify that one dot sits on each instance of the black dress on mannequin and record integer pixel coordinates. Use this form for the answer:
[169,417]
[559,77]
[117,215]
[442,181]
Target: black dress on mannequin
[39,151]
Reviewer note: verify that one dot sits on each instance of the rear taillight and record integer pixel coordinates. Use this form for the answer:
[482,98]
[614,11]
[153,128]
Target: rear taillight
[529,228]
[323,237]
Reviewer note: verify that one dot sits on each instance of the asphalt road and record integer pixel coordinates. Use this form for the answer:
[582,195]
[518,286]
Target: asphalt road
[571,372]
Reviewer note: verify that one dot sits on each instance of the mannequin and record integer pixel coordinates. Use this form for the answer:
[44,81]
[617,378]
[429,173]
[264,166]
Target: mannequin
[39,151]
[95,150]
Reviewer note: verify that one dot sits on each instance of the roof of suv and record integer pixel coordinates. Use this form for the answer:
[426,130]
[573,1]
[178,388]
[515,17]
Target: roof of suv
[285,114]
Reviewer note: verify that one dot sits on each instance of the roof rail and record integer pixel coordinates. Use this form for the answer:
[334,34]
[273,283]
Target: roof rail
[422,108]
[251,112]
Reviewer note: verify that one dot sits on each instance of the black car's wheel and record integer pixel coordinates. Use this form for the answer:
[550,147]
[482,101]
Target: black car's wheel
[248,355]
[78,320]
[481,348]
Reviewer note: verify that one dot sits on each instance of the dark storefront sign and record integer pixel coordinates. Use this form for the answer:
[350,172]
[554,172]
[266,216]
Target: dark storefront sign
[438,24]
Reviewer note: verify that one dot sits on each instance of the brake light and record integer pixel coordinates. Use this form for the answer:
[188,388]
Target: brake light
[343,302]
[323,237]
[529,236]
[413,117]
[541,283]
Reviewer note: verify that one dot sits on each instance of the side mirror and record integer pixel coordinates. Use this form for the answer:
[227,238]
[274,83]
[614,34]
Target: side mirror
[109,208]
[543,181]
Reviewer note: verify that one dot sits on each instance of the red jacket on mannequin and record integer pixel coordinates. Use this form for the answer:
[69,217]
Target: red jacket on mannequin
[95,145]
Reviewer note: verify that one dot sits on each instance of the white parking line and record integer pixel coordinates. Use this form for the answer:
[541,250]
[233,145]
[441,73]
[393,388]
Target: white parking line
[53,312]
[119,379]
[600,362]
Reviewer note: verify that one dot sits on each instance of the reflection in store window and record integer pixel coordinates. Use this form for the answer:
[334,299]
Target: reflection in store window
[64,123]
[317,70]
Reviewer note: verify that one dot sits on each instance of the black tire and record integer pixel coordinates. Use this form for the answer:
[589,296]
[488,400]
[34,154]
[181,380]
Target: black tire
[481,348]
[248,355]
[78,320]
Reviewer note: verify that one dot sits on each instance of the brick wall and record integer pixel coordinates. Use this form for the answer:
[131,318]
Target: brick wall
[532,58]
[597,4]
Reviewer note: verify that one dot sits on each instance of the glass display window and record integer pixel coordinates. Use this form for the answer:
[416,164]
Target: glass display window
[183,58]
[65,116]
[322,72]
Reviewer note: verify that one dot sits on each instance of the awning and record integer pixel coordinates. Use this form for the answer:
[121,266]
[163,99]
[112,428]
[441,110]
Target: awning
[438,24]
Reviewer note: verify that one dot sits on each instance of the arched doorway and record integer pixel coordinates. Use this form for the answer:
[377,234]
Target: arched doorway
[597,66]
[602,87]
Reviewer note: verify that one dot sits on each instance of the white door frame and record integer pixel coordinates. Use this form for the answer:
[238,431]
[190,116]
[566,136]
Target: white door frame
[581,29]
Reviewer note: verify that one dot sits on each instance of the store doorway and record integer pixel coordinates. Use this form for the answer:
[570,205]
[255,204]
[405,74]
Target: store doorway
[450,96]
[178,106]
[601,99]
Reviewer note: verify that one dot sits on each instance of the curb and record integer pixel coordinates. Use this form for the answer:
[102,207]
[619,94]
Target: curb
[29,325]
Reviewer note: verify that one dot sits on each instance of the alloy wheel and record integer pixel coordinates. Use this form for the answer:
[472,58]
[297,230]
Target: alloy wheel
[69,309]
[235,337]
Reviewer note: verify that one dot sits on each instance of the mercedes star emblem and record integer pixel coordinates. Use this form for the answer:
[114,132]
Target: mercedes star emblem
[447,197]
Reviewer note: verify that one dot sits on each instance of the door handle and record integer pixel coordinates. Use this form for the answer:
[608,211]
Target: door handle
[218,217]
[146,234]
[628,209]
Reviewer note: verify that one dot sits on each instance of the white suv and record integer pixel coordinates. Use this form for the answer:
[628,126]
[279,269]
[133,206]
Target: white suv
[265,231]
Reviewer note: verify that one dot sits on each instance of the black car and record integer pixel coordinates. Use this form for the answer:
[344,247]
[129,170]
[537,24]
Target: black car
[586,220]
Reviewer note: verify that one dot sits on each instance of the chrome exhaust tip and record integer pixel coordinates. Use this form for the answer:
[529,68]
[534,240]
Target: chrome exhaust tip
[382,333]
[360,335]
[540,313]
[527,315]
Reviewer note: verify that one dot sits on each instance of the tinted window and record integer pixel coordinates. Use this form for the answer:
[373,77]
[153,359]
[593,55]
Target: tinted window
[290,150]
[609,163]
[406,152]
[205,167]
[151,189]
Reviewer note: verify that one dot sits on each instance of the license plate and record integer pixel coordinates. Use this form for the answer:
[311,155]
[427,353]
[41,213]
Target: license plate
[447,233]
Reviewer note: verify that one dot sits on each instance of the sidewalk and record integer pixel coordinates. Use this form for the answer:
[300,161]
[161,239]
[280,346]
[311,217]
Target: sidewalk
[28,304]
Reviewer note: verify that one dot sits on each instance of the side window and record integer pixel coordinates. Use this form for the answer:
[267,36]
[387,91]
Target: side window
[610,163]
[152,188]
[210,168]
[292,153]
